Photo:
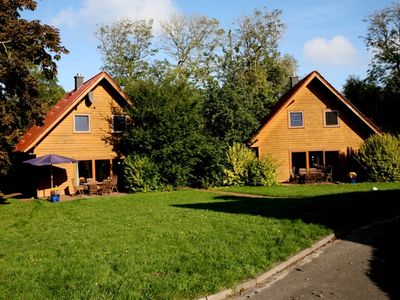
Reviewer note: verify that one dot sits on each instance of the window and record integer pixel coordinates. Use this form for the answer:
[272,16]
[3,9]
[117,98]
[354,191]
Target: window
[119,123]
[315,159]
[81,123]
[332,118]
[103,169]
[85,168]
[296,119]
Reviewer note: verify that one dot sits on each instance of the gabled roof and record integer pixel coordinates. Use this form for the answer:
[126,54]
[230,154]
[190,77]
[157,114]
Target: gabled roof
[289,95]
[35,134]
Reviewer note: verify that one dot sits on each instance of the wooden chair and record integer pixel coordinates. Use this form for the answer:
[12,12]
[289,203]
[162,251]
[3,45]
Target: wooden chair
[114,182]
[106,187]
[93,187]
[328,173]
[302,175]
[78,189]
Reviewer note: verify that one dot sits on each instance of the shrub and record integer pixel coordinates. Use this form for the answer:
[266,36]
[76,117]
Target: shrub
[244,168]
[262,172]
[141,174]
[379,157]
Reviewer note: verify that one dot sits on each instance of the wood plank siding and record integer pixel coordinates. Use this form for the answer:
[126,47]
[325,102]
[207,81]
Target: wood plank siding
[90,145]
[313,99]
[58,135]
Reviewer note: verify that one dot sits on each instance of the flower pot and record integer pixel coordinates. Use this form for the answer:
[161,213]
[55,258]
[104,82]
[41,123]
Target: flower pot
[353,180]
[55,198]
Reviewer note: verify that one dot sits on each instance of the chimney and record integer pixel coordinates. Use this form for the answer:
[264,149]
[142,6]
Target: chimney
[294,80]
[78,81]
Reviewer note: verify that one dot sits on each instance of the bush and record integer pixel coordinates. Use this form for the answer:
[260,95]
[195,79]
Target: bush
[244,168]
[262,172]
[379,157]
[141,174]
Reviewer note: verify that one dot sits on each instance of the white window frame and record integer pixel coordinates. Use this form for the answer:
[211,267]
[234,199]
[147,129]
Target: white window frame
[289,119]
[113,123]
[82,131]
[337,114]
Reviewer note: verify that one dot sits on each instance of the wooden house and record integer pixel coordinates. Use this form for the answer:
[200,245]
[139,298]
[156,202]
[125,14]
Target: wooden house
[78,127]
[312,125]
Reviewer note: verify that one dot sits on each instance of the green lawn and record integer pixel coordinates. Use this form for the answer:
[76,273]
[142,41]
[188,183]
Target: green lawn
[182,244]
[311,190]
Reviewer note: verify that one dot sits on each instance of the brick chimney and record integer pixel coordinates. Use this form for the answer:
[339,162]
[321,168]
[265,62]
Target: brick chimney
[78,81]
[294,80]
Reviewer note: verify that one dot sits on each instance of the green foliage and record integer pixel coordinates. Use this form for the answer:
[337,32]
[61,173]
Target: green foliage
[49,90]
[192,42]
[252,74]
[382,40]
[168,129]
[239,159]
[262,172]
[23,45]
[212,91]
[244,168]
[379,103]
[377,95]
[141,174]
[379,157]
[125,46]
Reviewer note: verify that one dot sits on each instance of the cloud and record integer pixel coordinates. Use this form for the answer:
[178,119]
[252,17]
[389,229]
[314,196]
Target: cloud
[94,12]
[337,51]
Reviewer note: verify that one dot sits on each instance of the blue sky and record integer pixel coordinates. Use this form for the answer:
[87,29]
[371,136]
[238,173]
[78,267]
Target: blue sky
[321,35]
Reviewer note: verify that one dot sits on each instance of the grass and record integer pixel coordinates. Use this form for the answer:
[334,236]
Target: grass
[312,190]
[172,245]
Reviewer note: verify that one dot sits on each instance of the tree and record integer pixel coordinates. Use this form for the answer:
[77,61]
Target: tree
[23,44]
[378,95]
[366,96]
[383,39]
[50,92]
[168,129]
[252,74]
[192,42]
[126,47]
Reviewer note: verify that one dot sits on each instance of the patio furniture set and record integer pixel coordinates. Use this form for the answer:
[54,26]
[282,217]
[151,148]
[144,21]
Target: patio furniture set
[313,175]
[89,186]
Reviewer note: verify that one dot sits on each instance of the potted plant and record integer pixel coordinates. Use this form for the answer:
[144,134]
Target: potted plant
[353,176]
[55,194]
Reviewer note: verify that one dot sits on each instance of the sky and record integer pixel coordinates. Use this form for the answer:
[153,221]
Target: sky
[326,35]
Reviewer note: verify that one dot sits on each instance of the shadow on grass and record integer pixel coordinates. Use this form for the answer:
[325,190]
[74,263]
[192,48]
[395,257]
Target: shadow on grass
[342,213]
[3,201]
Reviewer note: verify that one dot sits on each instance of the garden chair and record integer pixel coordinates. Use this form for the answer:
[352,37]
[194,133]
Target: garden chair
[328,173]
[78,189]
[106,187]
[93,187]
[114,182]
[302,175]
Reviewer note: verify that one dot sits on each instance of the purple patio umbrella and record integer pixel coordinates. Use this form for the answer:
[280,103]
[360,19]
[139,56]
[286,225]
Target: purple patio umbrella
[50,159]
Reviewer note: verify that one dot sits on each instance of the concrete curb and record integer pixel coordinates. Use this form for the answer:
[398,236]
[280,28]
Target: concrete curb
[275,270]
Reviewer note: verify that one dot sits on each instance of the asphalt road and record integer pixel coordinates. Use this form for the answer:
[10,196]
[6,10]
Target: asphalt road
[364,265]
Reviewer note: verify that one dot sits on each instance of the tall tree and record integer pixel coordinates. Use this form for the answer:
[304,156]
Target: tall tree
[251,76]
[378,95]
[23,44]
[192,43]
[49,90]
[126,48]
[383,39]
[168,129]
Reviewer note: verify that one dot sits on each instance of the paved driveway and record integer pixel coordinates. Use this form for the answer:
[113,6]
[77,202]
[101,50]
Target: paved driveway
[365,265]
